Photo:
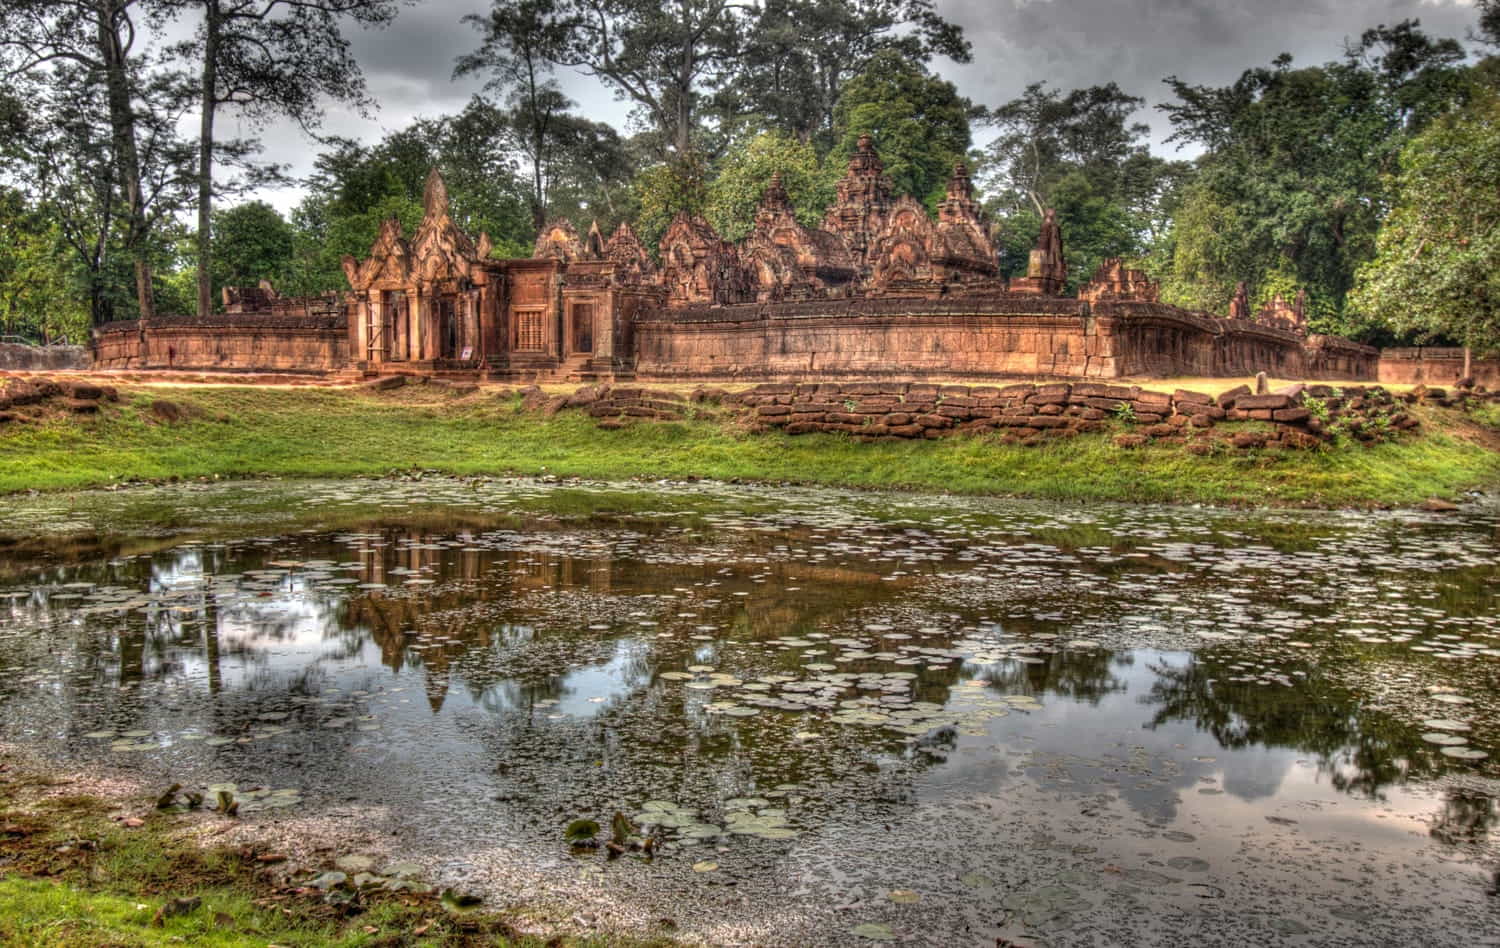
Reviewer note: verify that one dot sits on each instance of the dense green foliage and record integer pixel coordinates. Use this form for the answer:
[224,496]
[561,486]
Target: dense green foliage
[252,242]
[1081,155]
[919,122]
[743,174]
[38,301]
[1436,271]
[1294,184]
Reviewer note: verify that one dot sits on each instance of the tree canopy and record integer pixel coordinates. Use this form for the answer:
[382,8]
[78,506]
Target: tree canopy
[1436,269]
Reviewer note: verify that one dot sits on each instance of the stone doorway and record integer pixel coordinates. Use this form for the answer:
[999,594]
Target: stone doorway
[394,331]
[450,333]
[582,317]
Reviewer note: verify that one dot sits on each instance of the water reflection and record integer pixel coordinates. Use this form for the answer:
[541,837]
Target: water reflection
[856,668]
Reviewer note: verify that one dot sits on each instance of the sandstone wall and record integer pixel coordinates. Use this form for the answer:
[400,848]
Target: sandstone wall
[977,337]
[1433,365]
[18,358]
[909,338]
[228,342]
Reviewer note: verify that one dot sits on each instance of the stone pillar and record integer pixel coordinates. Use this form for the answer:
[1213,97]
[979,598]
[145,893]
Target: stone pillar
[415,318]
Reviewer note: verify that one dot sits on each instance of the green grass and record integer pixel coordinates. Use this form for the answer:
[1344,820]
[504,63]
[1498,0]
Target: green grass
[250,431]
[72,876]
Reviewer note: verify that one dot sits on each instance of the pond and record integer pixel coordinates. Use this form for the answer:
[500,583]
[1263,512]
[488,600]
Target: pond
[843,718]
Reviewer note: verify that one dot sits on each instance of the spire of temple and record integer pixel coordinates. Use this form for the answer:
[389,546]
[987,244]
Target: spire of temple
[864,199]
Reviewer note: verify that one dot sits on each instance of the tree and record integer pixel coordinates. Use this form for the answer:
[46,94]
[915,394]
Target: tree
[661,56]
[39,298]
[1080,154]
[1299,160]
[664,190]
[521,42]
[355,186]
[919,122]
[746,170]
[252,242]
[267,58]
[1046,136]
[1488,32]
[97,39]
[1436,271]
[798,55]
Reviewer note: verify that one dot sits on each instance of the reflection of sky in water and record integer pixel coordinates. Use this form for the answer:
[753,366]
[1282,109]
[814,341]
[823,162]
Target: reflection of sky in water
[523,661]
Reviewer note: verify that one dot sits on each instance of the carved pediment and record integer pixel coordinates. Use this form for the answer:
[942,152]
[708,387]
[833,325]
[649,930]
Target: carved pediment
[632,264]
[698,266]
[440,251]
[389,260]
[558,241]
[902,252]
[786,258]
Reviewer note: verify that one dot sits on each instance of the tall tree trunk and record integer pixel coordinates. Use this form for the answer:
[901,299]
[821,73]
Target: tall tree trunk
[206,155]
[1468,363]
[109,14]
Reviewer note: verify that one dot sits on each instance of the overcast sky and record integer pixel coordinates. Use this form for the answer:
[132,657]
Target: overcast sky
[1066,43]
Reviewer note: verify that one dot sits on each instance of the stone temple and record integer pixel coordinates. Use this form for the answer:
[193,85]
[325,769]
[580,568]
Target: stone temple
[881,289]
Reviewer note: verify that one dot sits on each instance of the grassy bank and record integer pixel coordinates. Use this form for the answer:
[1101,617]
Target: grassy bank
[331,432]
[83,870]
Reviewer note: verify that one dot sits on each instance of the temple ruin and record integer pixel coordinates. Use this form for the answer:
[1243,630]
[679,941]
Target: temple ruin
[881,289]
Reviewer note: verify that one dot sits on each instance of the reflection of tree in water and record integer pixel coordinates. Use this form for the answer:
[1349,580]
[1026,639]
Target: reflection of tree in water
[1362,751]
[1467,816]
[1083,675]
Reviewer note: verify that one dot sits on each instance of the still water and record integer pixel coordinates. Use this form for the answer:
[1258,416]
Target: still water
[850,718]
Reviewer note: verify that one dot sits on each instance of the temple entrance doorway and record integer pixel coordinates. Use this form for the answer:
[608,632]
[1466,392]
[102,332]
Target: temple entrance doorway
[394,333]
[450,334]
[582,316]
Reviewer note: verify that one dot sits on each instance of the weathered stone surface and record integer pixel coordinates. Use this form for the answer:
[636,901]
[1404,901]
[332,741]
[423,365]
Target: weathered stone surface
[1228,398]
[1250,402]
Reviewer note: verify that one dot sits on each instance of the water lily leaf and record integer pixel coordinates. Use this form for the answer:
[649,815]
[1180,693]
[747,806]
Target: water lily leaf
[581,831]
[873,931]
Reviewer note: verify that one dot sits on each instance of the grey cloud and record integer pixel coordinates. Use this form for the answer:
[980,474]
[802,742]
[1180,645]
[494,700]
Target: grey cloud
[1137,43]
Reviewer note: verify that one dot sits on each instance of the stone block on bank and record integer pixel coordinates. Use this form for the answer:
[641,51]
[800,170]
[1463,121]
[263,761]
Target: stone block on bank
[1227,399]
[1253,402]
